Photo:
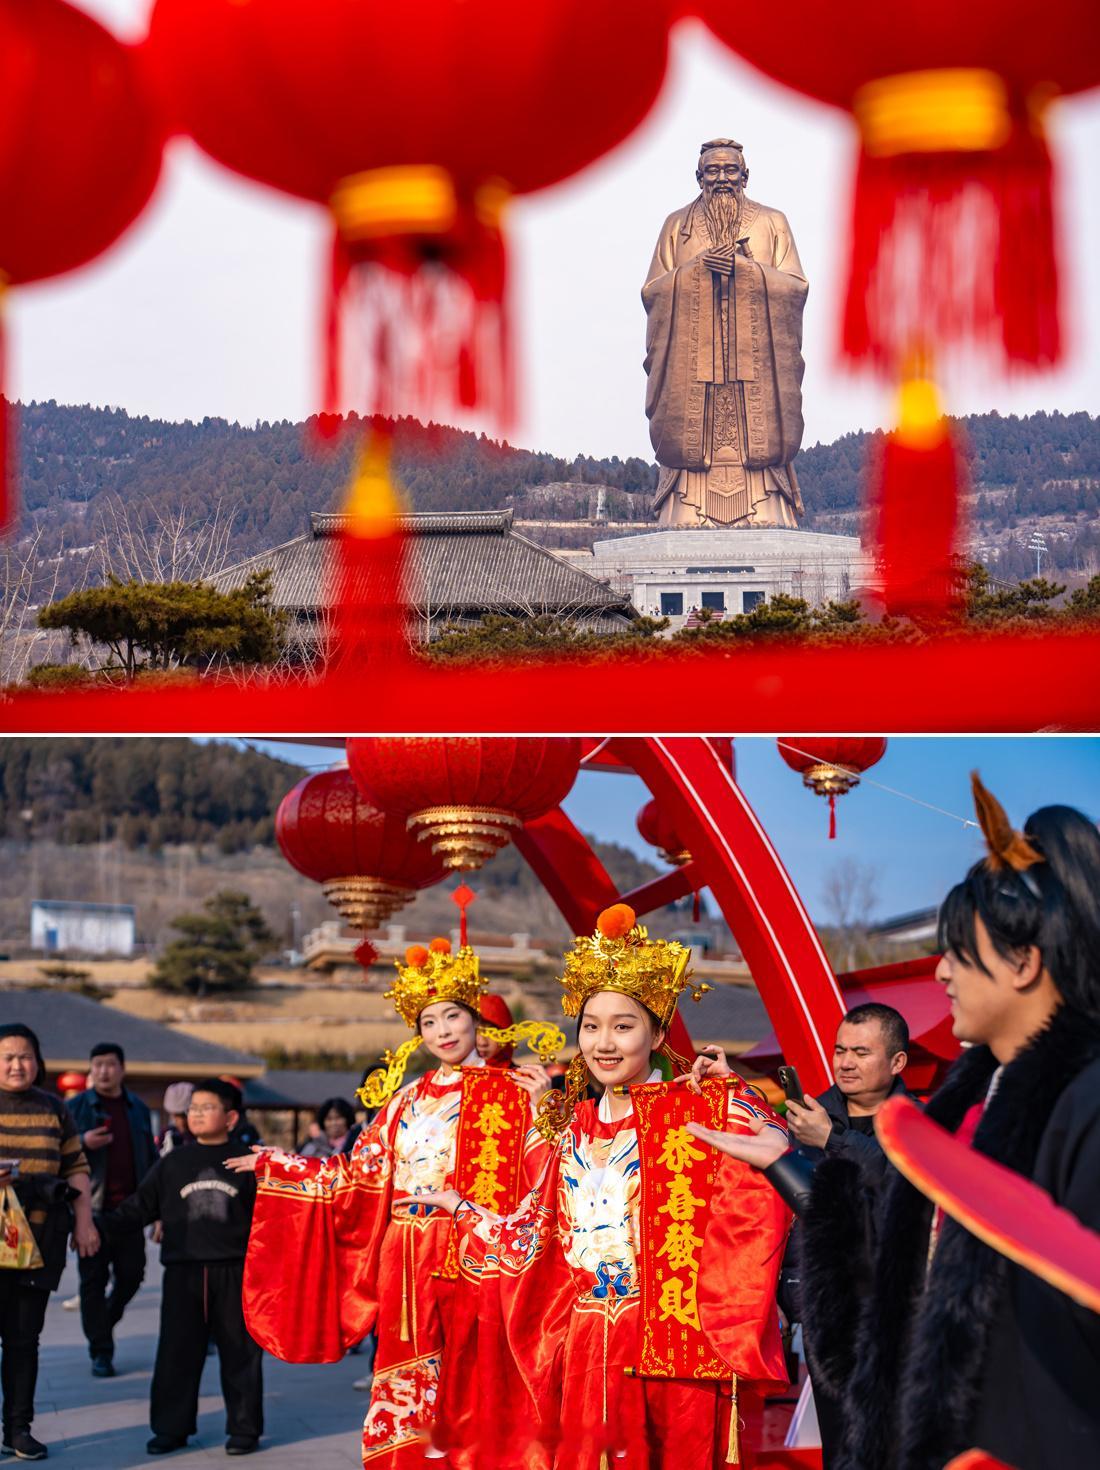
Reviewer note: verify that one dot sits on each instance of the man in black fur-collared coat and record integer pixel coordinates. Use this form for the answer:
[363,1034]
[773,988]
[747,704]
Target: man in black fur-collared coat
[933,1341]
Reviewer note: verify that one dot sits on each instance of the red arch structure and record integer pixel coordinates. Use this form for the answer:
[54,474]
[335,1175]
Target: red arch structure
[691,778]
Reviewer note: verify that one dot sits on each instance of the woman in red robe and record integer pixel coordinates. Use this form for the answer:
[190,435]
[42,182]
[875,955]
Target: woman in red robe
[626,1314]
[341,1245]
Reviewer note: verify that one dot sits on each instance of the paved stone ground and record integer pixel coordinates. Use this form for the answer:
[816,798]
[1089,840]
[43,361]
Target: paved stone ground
[313,1416]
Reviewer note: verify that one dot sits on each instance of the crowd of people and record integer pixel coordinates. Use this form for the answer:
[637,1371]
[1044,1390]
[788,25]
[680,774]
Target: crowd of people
[606,1272]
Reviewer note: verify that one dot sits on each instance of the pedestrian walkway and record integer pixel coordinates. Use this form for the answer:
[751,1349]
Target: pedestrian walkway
[313,1415]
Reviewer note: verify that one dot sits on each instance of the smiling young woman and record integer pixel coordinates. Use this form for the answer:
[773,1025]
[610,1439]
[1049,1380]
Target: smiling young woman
[597,1314]
[341,1245]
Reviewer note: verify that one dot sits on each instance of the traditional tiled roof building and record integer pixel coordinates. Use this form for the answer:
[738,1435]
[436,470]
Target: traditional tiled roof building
[461,565]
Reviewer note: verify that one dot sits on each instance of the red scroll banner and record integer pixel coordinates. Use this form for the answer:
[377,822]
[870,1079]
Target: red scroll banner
[677,1181]
[492,1126]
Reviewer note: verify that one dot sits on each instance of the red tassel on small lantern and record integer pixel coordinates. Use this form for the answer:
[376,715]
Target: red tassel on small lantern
[463,896]
[916,483]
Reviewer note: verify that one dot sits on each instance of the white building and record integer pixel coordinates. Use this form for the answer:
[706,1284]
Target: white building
[61,926]
[670,573]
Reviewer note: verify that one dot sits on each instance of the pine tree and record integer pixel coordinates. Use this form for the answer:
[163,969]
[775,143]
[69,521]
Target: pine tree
[218,948]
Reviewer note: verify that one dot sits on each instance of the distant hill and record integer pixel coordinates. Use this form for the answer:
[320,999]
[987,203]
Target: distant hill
[1042,470]
[155,792]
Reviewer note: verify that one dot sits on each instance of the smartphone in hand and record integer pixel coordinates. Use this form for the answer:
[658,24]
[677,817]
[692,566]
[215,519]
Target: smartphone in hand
[788,1080]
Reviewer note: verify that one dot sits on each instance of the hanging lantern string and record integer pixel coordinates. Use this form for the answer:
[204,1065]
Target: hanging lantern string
[890,790]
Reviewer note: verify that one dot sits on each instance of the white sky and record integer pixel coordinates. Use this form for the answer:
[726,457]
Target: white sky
[209,305]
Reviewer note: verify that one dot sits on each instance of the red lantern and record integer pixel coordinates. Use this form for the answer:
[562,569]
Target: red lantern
[70,1083]
[367,862]
[413,125]
[655,828]
[80,152]
[952,237]
[831,765]
[465,795]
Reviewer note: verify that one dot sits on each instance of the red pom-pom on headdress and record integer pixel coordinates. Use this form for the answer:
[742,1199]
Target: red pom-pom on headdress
[617,921]
[440,946]
[416,955]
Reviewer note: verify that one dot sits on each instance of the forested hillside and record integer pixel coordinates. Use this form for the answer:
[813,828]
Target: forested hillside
[152,793]
[82,467]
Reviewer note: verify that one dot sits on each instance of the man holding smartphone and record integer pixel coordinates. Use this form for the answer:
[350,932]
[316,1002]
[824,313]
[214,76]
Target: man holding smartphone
[117,1135]
[869,1056]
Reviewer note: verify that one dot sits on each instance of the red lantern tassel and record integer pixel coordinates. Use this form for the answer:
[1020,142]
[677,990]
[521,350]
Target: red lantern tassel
[369,598]
[913,498]
[695,907]
[832,815]
[463,896]
[421,304]
[952,231]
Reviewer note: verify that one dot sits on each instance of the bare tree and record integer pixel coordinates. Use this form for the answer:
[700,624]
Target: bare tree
[850,891]
[145,542]
[27,581]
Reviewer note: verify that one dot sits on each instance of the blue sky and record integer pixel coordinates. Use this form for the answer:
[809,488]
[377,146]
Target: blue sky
[916,853]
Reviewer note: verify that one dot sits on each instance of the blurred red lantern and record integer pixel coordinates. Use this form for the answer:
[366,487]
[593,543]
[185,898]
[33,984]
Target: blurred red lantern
[656,829]
[465,795]
[952,236]
[80,152]
[70,1083]
[413,125]
[367,862]
[831,765]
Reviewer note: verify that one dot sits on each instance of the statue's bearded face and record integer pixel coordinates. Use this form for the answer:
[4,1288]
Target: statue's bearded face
[721,174]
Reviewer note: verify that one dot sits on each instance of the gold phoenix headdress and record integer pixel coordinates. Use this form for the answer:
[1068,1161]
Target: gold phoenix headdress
[621,956]
[435,974]
[431,975]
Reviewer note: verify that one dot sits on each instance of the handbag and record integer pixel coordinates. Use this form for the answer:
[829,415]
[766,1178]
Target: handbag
[18,1247]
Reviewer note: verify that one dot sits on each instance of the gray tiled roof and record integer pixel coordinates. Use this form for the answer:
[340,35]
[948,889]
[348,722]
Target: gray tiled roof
[458,562]
[68,1026]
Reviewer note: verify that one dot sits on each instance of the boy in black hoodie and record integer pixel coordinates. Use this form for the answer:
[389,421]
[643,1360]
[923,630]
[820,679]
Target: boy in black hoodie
[206,1215]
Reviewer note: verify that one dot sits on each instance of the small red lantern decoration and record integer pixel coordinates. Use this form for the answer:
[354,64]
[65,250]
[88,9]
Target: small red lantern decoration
[952,236]
[831,765]
[413,125]
[655,828]
[70,1083]
[367,862]
[465,795]
[80,151]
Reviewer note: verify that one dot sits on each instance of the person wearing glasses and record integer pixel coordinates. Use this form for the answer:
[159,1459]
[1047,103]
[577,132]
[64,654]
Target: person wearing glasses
[206,1214]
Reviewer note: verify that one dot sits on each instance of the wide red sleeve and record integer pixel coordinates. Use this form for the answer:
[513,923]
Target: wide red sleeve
[311,1273]
[500,1392]
[742,1253]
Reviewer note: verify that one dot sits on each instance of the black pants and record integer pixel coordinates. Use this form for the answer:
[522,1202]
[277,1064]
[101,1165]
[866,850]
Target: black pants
[121,1252]
[202,1302]
[22,1313]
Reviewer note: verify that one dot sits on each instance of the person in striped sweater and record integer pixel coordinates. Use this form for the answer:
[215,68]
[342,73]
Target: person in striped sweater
[41,1158]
